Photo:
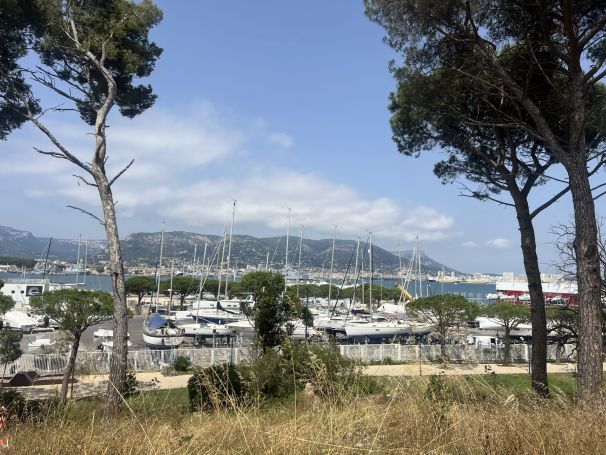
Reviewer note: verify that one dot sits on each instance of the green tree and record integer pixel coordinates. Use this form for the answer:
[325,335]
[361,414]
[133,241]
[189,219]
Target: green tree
[445,311]
[502,160]
[182,286]
[10,348]
[509,316]
[6,303]
[273,308]
[563,42]
[74,310]
[563,325]
[89,54]
[140,286]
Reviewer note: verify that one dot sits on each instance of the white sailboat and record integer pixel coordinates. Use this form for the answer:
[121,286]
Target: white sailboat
[160,333]
[104,338]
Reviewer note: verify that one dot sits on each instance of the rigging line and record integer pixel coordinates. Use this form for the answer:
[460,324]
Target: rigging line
[277,245]
[351,302]
[353,251]
[214,256]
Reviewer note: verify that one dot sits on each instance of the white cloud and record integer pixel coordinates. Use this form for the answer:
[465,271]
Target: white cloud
[498,243]
[429,219]
[469,244]
[190,166]
[281,139]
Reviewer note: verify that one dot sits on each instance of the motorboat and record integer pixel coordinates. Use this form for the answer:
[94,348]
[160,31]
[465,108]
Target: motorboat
[104,338]
[205,330]
[19,320]
[41,344]
[160,333]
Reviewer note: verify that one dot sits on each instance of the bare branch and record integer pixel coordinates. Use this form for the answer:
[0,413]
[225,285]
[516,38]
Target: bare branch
[87,213]
[119,174]
[550,201]
[85,181]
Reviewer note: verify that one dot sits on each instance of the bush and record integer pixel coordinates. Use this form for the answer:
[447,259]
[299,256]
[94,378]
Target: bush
[131,385]
[182,363]
[272,376]
[18,408]
[217,387]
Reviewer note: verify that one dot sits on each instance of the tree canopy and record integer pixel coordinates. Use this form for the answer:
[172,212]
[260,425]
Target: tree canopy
[509,316]
[140,286]
[537,65]
[74,310]
[445,311]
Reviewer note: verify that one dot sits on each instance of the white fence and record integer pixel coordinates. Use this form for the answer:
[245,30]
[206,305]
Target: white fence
[98,362]
[385,353]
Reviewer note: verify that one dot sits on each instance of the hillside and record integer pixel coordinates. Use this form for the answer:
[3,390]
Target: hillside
[143,248]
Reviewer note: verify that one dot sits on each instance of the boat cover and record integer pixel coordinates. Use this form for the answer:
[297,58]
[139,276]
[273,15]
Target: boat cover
[156,322]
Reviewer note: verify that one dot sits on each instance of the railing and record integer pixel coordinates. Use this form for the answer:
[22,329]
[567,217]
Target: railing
[146,360]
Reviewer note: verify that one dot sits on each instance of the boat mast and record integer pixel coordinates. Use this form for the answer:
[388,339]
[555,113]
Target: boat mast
[159,275]
[353,296]
[85,262]
[370,266]
[172,271]
[286,256]
[267,261]
[221,265]
[46,260]
[400,273]
[299,266]
[332,261]
[193,262]
[78,261]
[231,232]
[204,259]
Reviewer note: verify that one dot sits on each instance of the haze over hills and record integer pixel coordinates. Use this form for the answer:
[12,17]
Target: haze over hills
[143,248]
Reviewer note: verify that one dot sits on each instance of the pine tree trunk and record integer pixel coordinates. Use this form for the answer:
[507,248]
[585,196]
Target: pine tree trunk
[589,378]
[443,344]
[535,290]
[119,355]
[71,364]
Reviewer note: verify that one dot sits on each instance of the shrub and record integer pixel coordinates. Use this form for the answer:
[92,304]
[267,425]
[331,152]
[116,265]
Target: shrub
[15,407]
[217,387]
[272,376]
[131,385]
[182,363]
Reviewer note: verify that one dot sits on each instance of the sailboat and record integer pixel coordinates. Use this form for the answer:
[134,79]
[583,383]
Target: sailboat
[160,333]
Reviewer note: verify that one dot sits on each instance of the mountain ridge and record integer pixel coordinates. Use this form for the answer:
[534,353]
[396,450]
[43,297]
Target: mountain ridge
[142,248]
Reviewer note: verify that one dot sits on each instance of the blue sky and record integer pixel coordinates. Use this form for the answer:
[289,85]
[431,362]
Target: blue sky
[274,104]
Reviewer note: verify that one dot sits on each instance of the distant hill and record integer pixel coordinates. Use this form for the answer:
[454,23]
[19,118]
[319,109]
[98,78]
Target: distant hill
[143,248]
[24,244]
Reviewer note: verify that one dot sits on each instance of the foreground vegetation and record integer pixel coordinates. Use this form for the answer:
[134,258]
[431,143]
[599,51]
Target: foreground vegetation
[484,415]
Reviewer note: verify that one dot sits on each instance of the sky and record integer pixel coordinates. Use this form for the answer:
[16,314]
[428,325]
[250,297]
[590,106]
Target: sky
[276,105]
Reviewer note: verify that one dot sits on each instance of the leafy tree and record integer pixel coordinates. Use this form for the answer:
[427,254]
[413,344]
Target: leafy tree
[74,310]
[91,55]
[10,348]
[182,286]
[563,324]
[509,316]
[563,43]
[445,311]
[273,308]
[6,303]
[140,286]
[483,146]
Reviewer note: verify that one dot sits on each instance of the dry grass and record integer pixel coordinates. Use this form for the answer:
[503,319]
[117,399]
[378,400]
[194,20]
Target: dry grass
[456,416]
